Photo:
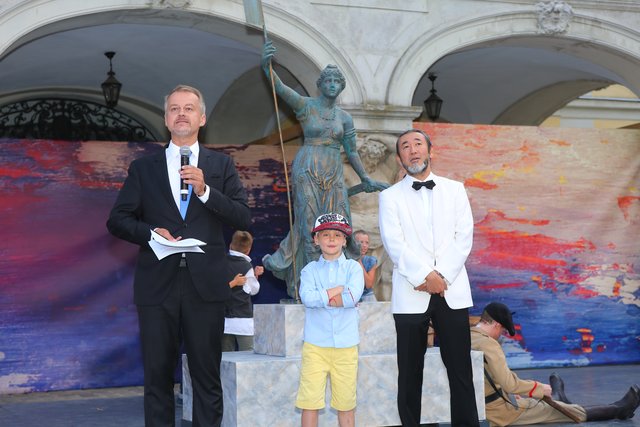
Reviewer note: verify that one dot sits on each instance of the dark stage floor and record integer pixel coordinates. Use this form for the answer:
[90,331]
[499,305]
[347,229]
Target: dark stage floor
[122,407]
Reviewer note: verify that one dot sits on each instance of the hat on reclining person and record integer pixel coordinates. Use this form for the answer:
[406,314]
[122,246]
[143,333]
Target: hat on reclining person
[332,221]
[501,314]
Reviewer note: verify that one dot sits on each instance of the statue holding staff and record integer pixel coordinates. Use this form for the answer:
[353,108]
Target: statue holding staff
[317,172]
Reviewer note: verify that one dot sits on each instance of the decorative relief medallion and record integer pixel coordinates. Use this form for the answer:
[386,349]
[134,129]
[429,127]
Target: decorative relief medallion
[170,4]
[553,16]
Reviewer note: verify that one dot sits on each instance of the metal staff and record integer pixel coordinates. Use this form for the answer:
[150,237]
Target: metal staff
[255,17]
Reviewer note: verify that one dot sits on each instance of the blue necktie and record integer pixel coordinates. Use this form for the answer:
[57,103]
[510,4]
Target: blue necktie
[185,203]
[185,154]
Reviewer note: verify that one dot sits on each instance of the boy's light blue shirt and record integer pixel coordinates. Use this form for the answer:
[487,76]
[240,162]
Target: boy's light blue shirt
[327,326]
[368,262]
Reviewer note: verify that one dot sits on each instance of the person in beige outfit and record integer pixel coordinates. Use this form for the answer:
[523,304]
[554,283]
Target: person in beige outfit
[510,400]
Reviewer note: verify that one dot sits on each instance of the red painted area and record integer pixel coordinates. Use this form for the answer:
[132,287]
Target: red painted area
[75,308]
[630,207]
[16,172]
[500,286]
[494,215]
[49,154]
[585,293]
[100,185]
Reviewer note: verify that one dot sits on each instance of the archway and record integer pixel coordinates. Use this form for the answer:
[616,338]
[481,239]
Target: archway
[458,54]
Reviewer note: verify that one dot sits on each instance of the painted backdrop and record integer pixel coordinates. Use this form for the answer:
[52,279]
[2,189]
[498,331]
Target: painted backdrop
[557,235]
[557,216]
[67,318]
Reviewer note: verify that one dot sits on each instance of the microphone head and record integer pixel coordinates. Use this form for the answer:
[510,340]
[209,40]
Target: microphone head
[185,151]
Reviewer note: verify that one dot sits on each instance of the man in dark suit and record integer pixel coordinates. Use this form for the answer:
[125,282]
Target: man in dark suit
[182,295]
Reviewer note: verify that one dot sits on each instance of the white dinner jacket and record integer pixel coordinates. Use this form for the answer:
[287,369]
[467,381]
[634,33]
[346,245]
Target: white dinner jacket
[416,251]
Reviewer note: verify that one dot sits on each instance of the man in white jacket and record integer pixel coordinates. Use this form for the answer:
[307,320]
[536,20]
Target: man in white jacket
[426,226]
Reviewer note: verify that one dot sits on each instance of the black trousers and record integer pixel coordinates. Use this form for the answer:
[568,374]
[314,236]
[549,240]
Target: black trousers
[183,314]
[452,329]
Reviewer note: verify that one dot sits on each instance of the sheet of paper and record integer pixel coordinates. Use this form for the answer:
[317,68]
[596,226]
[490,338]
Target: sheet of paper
[163,251]
[184,243]
[163,247]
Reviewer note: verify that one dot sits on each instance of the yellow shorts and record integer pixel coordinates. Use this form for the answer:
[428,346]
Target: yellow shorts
[342,366]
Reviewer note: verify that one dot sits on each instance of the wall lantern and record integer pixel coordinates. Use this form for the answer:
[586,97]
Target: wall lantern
[433,104]
[111,86]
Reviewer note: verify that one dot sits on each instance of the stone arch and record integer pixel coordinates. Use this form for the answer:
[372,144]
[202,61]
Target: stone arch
[601,42]
[249,97]
[303,50]
[533,109]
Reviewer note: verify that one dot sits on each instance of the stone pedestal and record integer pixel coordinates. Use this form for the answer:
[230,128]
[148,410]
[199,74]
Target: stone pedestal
[260,388]
[279,329]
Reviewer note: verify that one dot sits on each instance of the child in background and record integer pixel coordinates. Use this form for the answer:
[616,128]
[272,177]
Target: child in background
[238,318]
[329,290]
[369,266]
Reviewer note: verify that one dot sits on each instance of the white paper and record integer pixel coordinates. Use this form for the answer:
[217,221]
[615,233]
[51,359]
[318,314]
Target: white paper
[184,243]
[163,247]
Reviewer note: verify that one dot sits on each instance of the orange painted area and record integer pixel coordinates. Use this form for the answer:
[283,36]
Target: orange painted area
[583,292]
[586,339]
[279,188]
[478,183]
[616,288]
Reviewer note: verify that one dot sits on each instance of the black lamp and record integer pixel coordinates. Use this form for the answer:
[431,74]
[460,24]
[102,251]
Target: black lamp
[111,86]
[433,104]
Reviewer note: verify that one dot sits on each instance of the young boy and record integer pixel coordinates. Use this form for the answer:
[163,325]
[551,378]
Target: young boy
[329,290]
[369,266]
[238,317]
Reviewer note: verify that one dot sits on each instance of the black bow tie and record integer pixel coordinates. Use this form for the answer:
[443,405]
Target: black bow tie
[417,185]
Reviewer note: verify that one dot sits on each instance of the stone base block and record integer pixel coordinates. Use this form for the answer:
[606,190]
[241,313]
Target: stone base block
[279,329]
[260,390]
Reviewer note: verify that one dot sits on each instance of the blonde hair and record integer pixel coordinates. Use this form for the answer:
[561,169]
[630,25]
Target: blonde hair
[360,232]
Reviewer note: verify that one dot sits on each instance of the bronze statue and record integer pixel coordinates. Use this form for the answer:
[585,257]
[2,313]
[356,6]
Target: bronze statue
[317,175]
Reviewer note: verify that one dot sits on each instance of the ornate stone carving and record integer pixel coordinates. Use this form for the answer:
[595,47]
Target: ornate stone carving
[378,154]
[372,152]
[553,17]
[170,4]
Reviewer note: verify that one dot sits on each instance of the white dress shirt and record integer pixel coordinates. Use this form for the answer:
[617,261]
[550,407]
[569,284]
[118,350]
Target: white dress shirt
[173,167]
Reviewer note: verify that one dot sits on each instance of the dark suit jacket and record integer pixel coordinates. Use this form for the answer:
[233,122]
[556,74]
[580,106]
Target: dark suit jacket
[145,202]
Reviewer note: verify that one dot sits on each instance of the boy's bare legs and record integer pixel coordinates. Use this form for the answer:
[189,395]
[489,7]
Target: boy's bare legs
[310,418]
[346,418]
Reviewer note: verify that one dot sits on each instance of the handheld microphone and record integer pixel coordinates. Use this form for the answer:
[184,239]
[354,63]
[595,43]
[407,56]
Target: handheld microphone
[185,152]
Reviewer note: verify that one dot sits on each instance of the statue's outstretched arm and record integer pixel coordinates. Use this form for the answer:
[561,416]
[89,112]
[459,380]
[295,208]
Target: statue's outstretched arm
[290,96]
[349,143]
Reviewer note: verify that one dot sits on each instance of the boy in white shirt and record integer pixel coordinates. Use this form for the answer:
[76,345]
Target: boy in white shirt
[238,319]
